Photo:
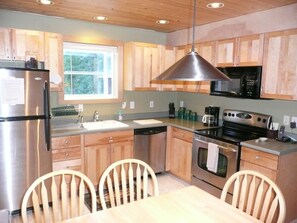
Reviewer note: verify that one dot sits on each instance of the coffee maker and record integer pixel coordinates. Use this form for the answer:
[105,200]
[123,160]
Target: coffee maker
[211,117]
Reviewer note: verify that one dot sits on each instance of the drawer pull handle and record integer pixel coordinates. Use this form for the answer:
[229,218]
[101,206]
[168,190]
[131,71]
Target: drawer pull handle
[258,157]
[67,154]
[182,135]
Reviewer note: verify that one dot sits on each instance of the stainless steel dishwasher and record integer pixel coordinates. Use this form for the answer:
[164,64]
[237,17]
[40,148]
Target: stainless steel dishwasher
[150,146]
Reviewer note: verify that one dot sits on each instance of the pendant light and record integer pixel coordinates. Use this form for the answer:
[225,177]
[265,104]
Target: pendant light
[192,67]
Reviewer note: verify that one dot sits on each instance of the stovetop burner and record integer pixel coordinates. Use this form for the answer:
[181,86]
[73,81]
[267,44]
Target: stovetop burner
[239,126]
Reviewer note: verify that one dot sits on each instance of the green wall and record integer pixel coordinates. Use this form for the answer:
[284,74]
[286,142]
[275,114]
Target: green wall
[194,101]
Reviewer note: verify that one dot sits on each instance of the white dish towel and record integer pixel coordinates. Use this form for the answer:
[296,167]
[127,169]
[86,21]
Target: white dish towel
[212,157]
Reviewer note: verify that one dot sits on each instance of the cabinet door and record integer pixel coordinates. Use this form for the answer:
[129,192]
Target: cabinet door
[54,59]
[279,65]
[207,51]
[180,160]
[250,50]
[225,52]
[168,58]
[122,150]
[180,52]
[141,65]
[97,159]
[27,44]
[5,44]
[180,153]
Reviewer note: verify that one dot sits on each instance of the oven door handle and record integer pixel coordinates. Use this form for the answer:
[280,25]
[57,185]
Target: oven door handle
[222,147]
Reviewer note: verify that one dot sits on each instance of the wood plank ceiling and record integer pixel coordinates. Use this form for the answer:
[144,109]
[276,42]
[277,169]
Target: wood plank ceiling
[144,13]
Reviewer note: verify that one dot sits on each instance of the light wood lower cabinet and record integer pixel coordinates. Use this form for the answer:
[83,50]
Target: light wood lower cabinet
[280,169]
[103,149]
[179,153]
[66,152]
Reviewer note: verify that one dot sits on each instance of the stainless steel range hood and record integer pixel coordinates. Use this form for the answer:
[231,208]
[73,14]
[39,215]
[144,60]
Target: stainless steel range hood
[192,67]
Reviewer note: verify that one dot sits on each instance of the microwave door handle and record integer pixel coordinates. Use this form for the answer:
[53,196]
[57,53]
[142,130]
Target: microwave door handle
[221,147]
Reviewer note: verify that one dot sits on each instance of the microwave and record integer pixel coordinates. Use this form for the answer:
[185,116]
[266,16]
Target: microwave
[245,82]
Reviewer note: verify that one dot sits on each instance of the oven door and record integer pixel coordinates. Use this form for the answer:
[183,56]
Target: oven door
[227,162]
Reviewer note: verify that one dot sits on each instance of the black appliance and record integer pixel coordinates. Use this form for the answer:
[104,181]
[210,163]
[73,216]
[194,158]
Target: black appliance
[211,117]
[237,126]
[171,110]
[245,82]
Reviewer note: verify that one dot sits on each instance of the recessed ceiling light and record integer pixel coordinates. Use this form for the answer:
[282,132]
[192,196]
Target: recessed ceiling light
[100,18]
[45,2]
[162,21]
[215,5]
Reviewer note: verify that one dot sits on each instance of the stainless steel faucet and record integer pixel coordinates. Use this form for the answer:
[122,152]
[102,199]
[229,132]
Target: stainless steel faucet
[96,117]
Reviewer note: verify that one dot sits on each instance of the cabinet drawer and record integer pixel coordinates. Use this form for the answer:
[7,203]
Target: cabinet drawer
[263,159]
[69,164]
[66,154]
[65,142]
[182,134]
[271,174]
[108,137]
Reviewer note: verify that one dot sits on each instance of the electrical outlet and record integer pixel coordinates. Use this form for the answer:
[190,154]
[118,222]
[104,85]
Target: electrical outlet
[151,104]
[286,120]
[294,119]
[181,104]
[132,105]
[80,108]
[124,105]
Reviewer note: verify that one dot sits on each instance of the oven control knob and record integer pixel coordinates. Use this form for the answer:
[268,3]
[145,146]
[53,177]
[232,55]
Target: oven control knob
[259,119]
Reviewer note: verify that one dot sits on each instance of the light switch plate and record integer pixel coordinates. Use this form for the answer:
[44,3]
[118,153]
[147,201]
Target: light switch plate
[132,105]
[286,120]
[151,104]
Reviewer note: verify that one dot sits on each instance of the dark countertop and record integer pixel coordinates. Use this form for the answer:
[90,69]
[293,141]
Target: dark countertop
[74,129]
[270,146]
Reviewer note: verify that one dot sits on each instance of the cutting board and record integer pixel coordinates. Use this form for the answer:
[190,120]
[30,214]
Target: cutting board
[147,121]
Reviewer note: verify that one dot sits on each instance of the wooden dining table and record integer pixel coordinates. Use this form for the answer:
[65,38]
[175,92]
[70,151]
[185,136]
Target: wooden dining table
[188,205]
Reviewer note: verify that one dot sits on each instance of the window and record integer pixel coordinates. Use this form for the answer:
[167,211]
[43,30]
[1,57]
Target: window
[91,72]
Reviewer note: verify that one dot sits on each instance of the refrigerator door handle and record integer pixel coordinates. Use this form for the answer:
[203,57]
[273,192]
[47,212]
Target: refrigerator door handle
[47,126]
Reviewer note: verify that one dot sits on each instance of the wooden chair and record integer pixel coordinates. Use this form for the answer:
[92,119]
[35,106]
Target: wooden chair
[66,189]
[256,195]
[125,181]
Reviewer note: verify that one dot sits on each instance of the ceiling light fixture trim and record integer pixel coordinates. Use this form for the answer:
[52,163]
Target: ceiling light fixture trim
[45,2]
[162,21]
[215,5]
[192,67]
[100,18]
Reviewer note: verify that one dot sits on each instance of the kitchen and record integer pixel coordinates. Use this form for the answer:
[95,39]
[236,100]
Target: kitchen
[194,101]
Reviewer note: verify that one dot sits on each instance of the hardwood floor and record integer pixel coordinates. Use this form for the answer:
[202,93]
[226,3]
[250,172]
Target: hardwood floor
[166,182]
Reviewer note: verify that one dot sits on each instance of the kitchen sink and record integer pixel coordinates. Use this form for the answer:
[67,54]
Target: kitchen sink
[102,125]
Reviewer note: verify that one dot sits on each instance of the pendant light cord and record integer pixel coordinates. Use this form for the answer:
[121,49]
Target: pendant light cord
[194,16]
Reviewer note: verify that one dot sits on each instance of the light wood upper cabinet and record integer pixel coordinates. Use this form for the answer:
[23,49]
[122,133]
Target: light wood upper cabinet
[250,50]
[279,76]
[168,58]
[27,44]
[5,44]
[54,59]
[141,65]
[242,51]
[225,52]
[103,149]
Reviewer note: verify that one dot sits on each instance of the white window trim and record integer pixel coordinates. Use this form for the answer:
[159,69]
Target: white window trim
[118,84]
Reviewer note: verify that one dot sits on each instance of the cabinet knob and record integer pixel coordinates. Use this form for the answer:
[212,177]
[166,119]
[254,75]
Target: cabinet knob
[67,154]
[66,141]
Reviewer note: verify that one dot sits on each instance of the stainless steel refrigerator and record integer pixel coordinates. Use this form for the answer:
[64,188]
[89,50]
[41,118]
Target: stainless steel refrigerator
[25,144]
